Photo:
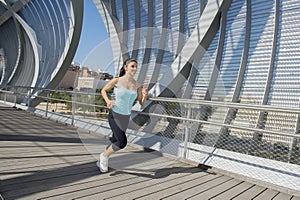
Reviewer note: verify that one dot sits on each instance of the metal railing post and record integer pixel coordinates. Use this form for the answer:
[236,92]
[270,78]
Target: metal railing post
[29,98]
[47,104]
[15,101]
[74,107]
[186,132]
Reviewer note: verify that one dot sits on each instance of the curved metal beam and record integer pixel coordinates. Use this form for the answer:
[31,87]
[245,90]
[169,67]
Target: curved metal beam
[114,29]
[196,45]
[149,38]
[70,50]
[34,44]
[12,9]
[271,66]
[137,30]
[162,44]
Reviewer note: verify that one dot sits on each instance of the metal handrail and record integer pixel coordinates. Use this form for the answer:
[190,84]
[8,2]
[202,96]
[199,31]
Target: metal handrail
[221,124]
[190,102]
[267,108]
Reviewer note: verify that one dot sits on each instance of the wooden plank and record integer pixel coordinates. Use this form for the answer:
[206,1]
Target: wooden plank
[267,194]
[106,190]
[26,175]
[214,191]
[202,186]
[37,177]
[40,161]
[250,193]
[232,192]
[93,180]
[282,196]
[43,152]
[151,191]
[69,192]
[166,190]
[36,187]
[49,183]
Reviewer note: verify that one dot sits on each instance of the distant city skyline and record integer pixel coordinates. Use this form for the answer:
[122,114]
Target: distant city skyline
[94,46]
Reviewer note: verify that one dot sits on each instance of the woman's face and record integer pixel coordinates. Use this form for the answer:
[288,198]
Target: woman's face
[131,68]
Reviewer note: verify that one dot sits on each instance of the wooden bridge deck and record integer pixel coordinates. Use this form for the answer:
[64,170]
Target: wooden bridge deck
[42,159]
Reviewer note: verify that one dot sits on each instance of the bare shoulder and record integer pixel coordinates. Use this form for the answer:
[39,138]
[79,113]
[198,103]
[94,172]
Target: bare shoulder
[111,83]
[114,81]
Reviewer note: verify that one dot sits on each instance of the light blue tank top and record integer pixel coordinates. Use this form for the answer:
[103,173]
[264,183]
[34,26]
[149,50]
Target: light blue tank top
[124,99]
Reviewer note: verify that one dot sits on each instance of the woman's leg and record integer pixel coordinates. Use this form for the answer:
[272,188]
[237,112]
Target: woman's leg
[118,124]
[108,151]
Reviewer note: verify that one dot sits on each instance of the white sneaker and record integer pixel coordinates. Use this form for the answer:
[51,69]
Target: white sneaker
[103,163]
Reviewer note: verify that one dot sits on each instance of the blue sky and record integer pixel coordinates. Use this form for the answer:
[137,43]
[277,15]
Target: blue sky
[93,49]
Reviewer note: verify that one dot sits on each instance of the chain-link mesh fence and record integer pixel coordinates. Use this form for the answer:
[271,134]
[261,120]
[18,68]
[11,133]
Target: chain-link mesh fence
[227,127]
[261,131]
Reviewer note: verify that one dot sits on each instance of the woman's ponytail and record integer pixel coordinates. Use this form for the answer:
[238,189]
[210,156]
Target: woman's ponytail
[122,71]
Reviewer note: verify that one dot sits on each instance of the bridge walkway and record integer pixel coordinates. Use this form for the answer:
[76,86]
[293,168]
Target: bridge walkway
[43,159]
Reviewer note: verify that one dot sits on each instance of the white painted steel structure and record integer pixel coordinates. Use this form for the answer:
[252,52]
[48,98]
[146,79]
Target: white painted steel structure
[38,40]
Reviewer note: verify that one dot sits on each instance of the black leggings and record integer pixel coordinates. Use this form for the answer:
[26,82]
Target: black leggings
[118,124]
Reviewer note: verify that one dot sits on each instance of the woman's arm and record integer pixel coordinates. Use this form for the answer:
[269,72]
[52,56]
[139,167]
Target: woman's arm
[108,86]
[142,95]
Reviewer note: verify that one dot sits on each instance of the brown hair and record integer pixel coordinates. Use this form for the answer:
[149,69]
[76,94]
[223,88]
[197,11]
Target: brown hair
[126,62]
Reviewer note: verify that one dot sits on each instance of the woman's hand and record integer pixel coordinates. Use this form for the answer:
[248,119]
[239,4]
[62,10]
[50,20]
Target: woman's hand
[142,95]
[110,104]
[108,86]
[145,92]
